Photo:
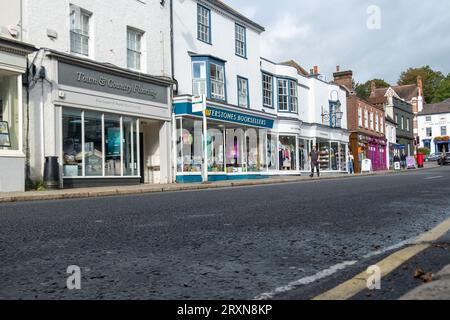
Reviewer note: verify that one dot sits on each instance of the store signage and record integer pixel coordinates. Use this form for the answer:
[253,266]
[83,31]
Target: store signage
[366,165]
[411,162]
[84,78]
[198,103]
[4,135]
[236,117]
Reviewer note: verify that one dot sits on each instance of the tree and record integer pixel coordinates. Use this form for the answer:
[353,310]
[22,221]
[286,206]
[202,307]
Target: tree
[443,90]
[431,80]
[363,90]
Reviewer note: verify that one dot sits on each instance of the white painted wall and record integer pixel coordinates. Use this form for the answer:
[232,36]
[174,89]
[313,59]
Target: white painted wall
[437,121]
[108,29]
[10,19]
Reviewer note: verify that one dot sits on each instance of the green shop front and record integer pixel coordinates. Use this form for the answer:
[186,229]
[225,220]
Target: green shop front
[237,143]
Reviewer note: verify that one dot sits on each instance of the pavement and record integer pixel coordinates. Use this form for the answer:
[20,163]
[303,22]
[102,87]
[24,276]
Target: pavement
[293,240]
[156,188]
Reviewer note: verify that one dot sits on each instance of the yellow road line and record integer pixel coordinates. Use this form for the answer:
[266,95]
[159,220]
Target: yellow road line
[358,283]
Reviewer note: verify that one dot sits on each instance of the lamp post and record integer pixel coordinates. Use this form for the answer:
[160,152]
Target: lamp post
[334,114]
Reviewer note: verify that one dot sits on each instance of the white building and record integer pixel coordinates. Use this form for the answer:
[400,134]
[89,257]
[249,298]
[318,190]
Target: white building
[100,90]
[279,107]
[434,126]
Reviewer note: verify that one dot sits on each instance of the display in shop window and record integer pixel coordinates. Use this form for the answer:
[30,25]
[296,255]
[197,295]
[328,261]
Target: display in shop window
[5,140]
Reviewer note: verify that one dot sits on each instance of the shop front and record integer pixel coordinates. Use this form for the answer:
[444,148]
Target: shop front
[239,145]
[13,65]
[112,126]
[368,147]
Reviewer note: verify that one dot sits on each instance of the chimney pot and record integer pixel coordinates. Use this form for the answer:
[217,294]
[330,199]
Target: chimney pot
[316,70]
[338,68]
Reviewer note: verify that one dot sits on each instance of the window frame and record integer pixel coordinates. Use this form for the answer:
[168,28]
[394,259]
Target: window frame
[442,131]
[239,84]
[139,53]
[271,105]
[239,27]
[286,94]
[211,81]
[293,96]
[360,117]
[81,33]
[204,10]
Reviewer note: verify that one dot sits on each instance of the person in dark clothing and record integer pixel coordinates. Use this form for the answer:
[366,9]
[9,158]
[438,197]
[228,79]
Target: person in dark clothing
[403,160]
[314,159]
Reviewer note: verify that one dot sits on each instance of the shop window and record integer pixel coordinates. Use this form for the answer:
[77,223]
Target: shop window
[79,30]
[324,153]
[272,151]
[267,90]
[112,146]
[216,149]
[190,134]
[93,144]
[243,98]
[287,153]
[9,113]
[235,150]
[334,156]
[134,39]
[203,24]
[72,143]
[304,149]
[130,161]
[241,39]
[343,156]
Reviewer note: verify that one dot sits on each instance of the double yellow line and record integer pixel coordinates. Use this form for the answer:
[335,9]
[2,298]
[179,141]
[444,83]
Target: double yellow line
[357,284]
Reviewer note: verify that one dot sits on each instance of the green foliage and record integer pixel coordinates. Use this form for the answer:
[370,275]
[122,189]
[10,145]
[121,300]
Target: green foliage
[38,186]
[442,91]
[431,80]
[363,90]
[424,151]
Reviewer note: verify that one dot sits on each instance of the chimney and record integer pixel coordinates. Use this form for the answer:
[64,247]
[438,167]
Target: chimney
[338,68]
[345,79]
[420,85]
[373,87]
[316,70]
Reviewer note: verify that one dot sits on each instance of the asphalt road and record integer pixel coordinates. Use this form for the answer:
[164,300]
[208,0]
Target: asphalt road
[215,244]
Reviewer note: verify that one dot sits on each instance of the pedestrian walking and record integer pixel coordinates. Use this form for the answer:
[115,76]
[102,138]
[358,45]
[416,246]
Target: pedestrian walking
[351,163]
[314,158]
[403,160]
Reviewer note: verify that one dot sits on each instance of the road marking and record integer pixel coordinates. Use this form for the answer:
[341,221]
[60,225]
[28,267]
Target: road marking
[431,178]
[307,280]
[357,284]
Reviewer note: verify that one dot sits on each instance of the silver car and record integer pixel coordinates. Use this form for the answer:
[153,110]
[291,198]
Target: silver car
[433,157]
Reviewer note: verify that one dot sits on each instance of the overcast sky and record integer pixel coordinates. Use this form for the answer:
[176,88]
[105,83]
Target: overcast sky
[327,33]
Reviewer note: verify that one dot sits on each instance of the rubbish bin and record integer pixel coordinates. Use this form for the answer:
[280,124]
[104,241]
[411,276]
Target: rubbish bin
[51,173]
[420,160]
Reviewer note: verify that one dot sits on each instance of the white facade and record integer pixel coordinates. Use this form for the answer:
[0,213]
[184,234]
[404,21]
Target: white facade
[101,51]
[432,126]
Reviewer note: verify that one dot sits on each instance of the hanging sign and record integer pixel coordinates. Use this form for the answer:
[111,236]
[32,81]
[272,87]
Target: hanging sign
[5,140]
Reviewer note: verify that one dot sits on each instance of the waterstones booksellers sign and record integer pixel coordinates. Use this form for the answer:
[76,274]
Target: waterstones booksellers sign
[235,117]
[84,78]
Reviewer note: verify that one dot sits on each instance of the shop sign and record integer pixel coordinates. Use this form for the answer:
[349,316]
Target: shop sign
[4,135]
[366,165]
[411,162]
[241,118]
[84,78]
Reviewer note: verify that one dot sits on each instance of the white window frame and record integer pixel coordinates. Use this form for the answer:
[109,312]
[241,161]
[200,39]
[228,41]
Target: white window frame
[366,118]
[240,40]
[199,85]
[445,128]
[134,49]
[267,80]
[243,97]
[203,24]
[429,130]
[81,33]
[283,93]
[217,81]
[371,120]
[360,117]
[293,94]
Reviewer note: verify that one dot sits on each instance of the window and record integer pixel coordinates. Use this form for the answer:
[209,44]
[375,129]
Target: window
[360,119]
[366,119]
[443,131]
[408,124]
[267,90]
[203,24]
[10,113]
[243,92]
[198,78]
[217,78]
[396,119]
[79,30]
[293,87]
[381,124]
[371,120]
[241,38]
[93,145]
[428,119]
[283,95]
[403,123]
[134,38]
[377,124]
[429,132]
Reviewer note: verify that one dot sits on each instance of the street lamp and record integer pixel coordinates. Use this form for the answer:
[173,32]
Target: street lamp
[334,114]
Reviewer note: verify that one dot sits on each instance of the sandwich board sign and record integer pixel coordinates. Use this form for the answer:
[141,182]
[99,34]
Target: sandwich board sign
[198,103]
[366,166]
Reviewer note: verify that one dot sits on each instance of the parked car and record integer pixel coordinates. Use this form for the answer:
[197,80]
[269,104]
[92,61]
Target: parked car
[433,157]
[446,160]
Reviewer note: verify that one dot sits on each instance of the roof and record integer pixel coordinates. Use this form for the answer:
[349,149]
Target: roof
[222,5]
[406,92]
[436,108]
[295,65]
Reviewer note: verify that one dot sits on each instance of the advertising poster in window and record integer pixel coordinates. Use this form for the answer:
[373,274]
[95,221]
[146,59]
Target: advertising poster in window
[4,135]
[113,142]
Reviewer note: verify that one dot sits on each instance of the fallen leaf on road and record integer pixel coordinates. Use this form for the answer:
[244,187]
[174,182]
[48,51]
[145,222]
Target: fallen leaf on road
[426,278]
[418,273]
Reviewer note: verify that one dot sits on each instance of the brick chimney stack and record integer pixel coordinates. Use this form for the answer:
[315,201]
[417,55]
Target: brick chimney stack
[316,70]
[373,87]
[420,85]
[344,78]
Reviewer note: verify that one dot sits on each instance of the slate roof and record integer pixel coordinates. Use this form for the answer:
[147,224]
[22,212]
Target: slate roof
[436,108]
[406,92]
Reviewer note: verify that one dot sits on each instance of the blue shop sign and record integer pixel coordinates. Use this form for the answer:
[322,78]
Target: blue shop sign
[228,116]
